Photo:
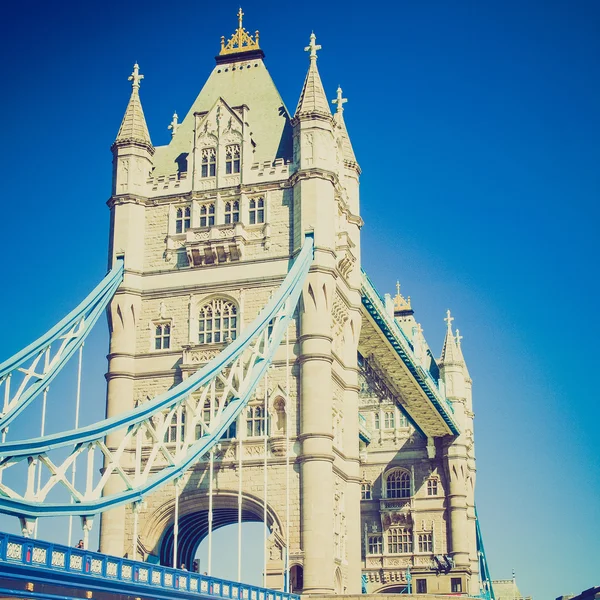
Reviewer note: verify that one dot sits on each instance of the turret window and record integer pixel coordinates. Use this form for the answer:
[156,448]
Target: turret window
[397,485]
[207,215]
[162,336]
[399,540]
[257,211]
[365,491]
[183,219]
[217,322]
[389,420]
[432,487]
[375,545]
[232,159]
[232,212]
[209,162]
[425,542]
[256,421]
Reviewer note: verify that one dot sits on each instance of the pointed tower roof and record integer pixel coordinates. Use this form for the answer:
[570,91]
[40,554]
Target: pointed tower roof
[402,307]
[133,130]
[461,358]
[451,353]
[313,100]
[338,117]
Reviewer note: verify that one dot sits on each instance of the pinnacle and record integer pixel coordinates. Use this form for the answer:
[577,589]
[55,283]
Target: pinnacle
[313,99]
[133,127]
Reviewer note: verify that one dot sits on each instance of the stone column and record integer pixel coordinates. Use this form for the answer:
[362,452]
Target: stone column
[316,435]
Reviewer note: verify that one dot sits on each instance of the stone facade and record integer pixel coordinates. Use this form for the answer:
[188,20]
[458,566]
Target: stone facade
[208,225]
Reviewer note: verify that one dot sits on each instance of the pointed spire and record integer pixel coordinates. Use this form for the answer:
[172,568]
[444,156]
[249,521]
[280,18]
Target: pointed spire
[347,150]
[133,130]
[313,100]
[451,351]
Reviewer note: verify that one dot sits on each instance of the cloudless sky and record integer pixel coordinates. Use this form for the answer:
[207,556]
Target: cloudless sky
[476,126]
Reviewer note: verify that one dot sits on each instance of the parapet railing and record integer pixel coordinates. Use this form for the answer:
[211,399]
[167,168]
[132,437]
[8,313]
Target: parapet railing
[92,566]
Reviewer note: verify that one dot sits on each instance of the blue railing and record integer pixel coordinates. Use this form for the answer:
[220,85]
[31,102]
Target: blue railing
[90,566]
[363,431]
[373,302]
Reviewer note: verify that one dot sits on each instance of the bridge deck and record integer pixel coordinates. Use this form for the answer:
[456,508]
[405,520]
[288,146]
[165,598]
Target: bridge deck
[382,339]
[38,569]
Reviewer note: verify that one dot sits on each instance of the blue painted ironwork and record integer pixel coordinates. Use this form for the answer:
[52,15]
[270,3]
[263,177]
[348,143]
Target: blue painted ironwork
[38,561]
[35,363]
[487,589]
[363,432]
[375,306]
[239,367]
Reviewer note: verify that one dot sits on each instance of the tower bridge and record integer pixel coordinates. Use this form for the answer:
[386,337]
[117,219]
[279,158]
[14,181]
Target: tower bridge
[255,373]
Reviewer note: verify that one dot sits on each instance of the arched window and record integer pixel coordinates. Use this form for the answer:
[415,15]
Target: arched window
[397,485]
[232,212]
[209,162]
[256,211]
[217,322]
[377,421]
[232,159]
[389,420]
[162,336]
[207,215]
[183,219]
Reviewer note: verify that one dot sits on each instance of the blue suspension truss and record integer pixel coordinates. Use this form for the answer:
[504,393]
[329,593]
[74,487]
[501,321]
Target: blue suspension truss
[487,589]
[40,362]
[227,382]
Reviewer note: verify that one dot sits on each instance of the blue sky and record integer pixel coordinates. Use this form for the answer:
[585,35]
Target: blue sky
[476,126]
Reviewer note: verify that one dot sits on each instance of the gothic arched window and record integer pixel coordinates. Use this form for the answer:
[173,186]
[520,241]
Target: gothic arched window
[209,162]
[232,212]
[232,159]
[183,219]
[397,485]
[256,211]
[207,215]
[217,322]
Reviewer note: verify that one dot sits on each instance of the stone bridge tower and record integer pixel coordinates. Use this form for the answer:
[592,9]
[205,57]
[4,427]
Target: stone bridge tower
[208,225]
[380,432]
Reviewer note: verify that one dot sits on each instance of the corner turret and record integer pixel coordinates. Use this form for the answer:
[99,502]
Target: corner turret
[132,149]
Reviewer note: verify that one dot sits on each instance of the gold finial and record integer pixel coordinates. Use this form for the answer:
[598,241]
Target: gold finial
[240,41]
[401,304]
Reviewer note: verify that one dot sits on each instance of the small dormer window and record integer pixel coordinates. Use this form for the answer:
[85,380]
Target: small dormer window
[232,212]
[207,215]
[232,159]
[256,211]
[183,219]
[209,162]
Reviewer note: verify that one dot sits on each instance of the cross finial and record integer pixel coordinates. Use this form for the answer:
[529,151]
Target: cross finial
[135,77]
[173,125]
[449,319]
[340,108]
[312,47]
[240,15]
[397,288]
[458,337]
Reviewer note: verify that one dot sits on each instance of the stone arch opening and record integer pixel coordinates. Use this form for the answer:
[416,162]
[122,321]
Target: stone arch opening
[158,535]
[296,579]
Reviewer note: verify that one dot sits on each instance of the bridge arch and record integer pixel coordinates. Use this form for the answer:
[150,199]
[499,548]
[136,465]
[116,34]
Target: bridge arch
[158,535]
